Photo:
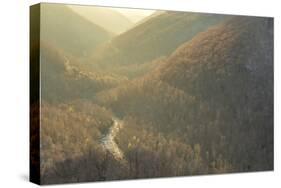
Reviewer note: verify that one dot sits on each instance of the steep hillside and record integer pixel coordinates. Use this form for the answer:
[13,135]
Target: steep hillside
[215,91]
[63,81]
[156,37]
[67,30]
[105,17]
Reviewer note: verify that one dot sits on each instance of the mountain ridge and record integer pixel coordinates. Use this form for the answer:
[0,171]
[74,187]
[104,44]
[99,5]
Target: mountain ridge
[157,37]
[70,31]
[108,19]
[216,89]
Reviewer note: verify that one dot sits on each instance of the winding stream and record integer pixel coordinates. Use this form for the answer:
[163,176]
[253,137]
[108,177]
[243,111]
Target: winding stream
[108,140]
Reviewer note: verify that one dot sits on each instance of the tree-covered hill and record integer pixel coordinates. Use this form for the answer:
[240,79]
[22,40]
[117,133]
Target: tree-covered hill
[158,36]
[62,80]
[216,91]
[178,94]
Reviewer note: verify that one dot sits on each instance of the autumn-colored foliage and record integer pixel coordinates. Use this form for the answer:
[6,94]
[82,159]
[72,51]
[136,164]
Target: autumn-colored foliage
[193,94]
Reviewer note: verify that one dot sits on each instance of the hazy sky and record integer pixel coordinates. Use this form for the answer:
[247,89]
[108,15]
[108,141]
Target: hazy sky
[134,15]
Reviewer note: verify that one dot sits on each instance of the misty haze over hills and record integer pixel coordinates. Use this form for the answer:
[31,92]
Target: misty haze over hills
[172,94]
[115,20]
[134,14]
[151,40]
[69,31]
[111,20]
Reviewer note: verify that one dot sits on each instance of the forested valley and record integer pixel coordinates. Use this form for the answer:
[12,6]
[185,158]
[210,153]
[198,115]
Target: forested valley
[177,94]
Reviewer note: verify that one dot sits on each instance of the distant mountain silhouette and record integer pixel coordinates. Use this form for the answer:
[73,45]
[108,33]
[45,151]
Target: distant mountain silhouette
[107,18]
[156,13]
[69,31]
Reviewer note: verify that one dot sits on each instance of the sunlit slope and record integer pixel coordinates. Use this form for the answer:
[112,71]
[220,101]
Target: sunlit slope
[62,80]
[215,91]
[156,37]
[65,29]
[70,134]
[105,17]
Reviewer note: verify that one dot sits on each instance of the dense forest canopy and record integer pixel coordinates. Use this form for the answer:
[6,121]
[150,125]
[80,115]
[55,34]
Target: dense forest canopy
[176,94]
[211,93]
